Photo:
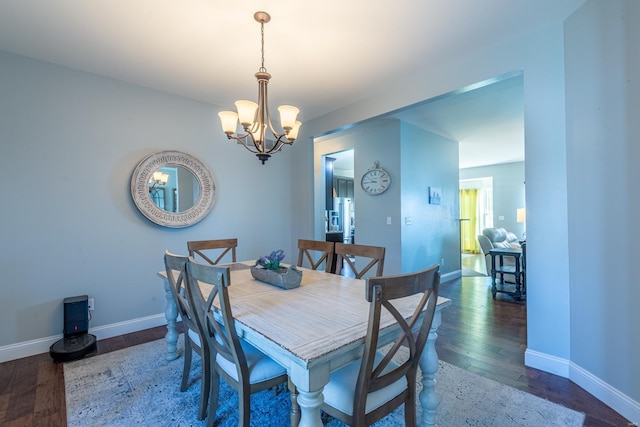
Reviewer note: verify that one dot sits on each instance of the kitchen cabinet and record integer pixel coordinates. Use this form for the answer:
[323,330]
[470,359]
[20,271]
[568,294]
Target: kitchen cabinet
[343,187]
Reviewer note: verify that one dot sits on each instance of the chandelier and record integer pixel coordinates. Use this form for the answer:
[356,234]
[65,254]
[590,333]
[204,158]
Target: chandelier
[158,178]
[255,118]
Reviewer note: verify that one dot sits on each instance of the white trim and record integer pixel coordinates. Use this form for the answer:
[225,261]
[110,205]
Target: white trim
[618,401]
[612,397]
[450,276]
[42,345]
[547,363]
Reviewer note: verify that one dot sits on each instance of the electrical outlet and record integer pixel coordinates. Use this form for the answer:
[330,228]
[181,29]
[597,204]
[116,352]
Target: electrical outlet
[388,220]
[90,304]
[441,262]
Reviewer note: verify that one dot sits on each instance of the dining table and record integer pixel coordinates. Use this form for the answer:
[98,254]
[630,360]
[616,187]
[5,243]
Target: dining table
[312,330]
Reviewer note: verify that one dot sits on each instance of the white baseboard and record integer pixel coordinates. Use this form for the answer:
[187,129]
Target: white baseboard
[450,276]
[612,397]
[42,345]
[545,362]
[620,402]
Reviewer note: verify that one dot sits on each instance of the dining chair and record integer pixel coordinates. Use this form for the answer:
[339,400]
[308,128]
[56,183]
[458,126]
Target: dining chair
[175,265]
[348,254]
[316,252]
[201,250]
[242,366]
[367,390]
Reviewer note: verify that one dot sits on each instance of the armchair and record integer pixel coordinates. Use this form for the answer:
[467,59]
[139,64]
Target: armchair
[498,238]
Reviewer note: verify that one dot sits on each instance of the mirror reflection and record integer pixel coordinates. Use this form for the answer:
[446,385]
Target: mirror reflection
[174,188]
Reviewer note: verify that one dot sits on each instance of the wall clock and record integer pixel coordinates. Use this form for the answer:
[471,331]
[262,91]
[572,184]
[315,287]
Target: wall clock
[376,180]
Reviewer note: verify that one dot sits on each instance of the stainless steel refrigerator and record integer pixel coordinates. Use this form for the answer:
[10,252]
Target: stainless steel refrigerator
[341,219]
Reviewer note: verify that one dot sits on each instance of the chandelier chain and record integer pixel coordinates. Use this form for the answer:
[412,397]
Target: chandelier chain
[262,46]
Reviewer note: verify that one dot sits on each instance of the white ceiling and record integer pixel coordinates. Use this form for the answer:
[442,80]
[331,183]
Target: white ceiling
[323,55]
[488,122]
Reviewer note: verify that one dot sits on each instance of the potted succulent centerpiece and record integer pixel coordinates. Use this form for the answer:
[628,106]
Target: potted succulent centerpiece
[269,270]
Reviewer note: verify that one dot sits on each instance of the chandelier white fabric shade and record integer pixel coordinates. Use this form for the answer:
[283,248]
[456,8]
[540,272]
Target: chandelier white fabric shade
[158,178]
[255,118]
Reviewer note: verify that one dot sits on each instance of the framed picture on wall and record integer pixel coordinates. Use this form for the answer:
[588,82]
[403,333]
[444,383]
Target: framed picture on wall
[435,194]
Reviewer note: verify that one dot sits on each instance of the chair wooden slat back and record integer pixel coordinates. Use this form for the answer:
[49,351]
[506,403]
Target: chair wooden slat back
[221,335]
[312,249]
[200,250]
[378,371]
[345,252]
[175,268]
[175,264]
[231,358]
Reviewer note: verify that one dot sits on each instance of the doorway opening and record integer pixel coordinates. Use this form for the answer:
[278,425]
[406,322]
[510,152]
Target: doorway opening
[340,197]
[476,214]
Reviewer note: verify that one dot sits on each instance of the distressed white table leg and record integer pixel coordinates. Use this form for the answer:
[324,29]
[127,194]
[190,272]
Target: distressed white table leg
[429,399]
[171,314]
[310,402]
[309,385]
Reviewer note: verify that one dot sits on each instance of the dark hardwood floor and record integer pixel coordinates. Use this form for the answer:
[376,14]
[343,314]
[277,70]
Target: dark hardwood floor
[489,337]
[477,333]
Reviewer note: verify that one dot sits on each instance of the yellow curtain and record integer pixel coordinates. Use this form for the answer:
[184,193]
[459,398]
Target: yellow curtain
[468,201]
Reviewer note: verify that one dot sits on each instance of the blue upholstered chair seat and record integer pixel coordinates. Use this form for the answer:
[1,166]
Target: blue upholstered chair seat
[194,337]
[261,367]
[339,392]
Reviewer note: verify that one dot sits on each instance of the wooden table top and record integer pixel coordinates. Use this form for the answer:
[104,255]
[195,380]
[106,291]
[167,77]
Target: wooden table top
[326,313]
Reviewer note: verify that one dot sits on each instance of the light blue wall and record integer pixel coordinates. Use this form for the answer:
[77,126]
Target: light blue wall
[552,334]
[540,56]
[434,233]
[415,159]
[69,144]
[603,150]
[70,141]
[371,142]
[508,192]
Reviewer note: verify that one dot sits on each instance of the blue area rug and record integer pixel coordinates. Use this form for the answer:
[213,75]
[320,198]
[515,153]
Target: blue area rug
[138,386]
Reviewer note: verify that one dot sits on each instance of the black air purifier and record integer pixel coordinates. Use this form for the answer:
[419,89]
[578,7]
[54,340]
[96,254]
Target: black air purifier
[77,342]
